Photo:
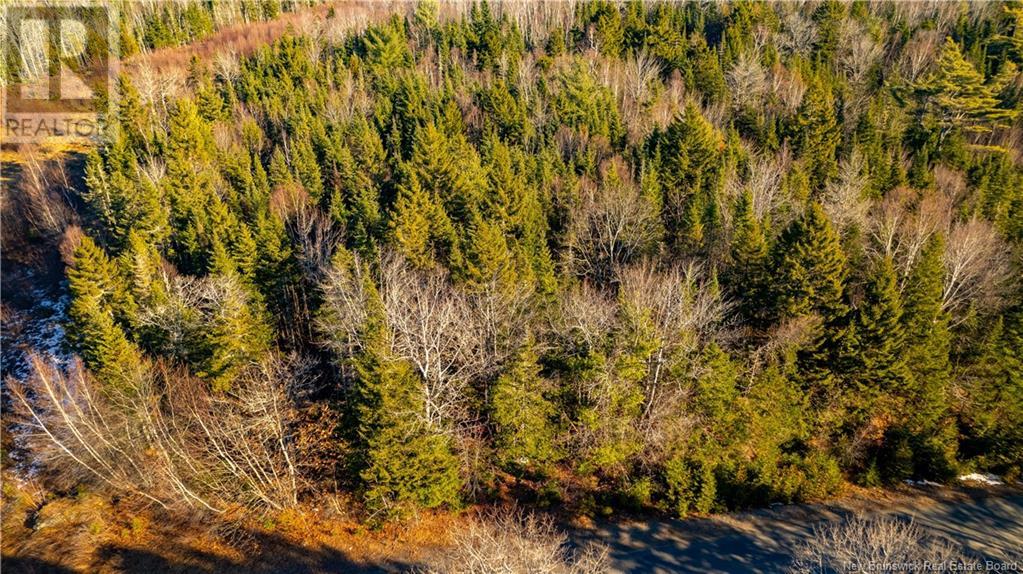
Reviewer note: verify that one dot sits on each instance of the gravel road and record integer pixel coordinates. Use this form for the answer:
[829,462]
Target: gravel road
[988,524]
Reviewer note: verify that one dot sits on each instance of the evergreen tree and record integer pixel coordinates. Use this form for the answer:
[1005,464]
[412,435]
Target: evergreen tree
[828,16]
[189,186]
[135,118]
[421,229]
[993,405]
[810,268]
[355,200]
[120,201]
[692,171]
[748,272]
[717,391]
[523,416]
[489,261]
[237,335]
[928,341]
[407,464]
[818,134]
[385,46]
[955,95]
[306,168]
[809,282]
[880,367]
[142,265]
[932,433]
[450,169]
[98,300]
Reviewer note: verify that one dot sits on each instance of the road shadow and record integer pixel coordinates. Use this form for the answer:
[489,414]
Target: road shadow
[764,541]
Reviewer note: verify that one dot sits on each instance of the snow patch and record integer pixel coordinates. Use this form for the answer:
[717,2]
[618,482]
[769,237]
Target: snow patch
[38,329]
[922,483]
[982,477]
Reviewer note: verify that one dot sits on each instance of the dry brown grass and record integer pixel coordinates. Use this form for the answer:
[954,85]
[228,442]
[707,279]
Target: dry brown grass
[53,147]
[246,38]
[88,532]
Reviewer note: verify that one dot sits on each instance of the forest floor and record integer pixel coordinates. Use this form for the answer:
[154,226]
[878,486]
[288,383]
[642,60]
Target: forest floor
[83,531]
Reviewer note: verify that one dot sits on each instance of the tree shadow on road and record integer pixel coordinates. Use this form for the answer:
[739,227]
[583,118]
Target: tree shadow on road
[763,541]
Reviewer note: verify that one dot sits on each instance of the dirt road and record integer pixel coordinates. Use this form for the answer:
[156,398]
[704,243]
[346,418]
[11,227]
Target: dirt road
[762,541]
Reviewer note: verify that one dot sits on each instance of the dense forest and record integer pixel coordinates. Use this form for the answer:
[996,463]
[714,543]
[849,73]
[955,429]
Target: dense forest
[621,256]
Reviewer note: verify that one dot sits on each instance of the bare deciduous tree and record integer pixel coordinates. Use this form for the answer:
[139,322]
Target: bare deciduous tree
[39,197]
[434,327]
[614,224]
[585,316]
[976,267]
[919,53]
[343,311]
[764,183]
[976,257]
[76,433]
[902,224]
[951,183]
[858,51]
[799,32]
[445,333]
[747,80]
[632,81]
[843,199]
[671,101]
[681,313]
[168,438]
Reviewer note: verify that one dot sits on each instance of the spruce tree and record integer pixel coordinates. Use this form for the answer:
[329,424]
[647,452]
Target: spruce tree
[931,430]
[489,262]
[818,134]
[406,463]
[385,47]
[98,298]
[449,168]
[118,198]
[809,282]
[420,227]
[928,341]
[810,268]
[135,118]
[717,390]
[880,367]
[189,186]
[992,407]
[237,335]
[692,165]
[747,273]
[523,416]
[142,265]
[355,200]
